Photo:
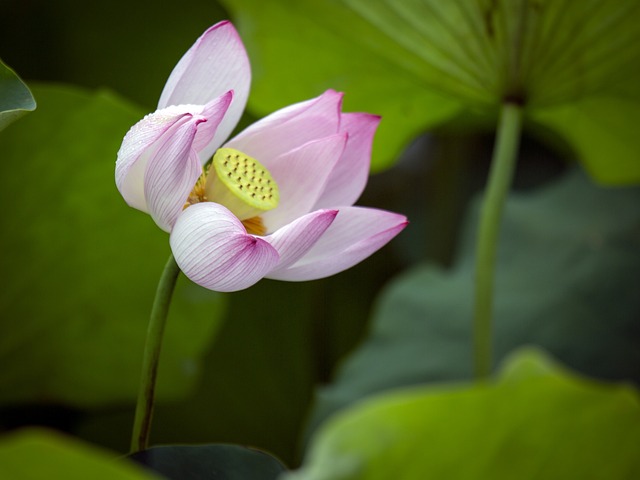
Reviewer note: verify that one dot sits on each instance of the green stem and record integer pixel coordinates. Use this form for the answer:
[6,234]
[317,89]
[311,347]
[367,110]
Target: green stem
[502,167]
[155,332]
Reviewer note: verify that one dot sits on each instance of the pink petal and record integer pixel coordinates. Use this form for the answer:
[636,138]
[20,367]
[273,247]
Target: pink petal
[290,128]
[215,64]
[172,171]
[301,175]
[354,235]
[294,240]
[349,177]
[215,112]
[136,147]
[212,248]
[144,139]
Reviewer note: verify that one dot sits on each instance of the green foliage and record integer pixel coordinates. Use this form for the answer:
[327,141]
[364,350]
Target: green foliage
[80,267]
[260,372]
[567,279]
[38,454]
[222,462]
[53,42]
[299,49]
[419,63]
[15,97]
[603,132]
[536,421]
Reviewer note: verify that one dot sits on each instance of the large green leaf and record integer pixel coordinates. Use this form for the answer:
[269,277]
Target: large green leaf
[80,267]
[537,421]
[306,47]
[38,454]
[417,63]
[222,462]
[15,97]
[568,277]
[603,132]
[281,339]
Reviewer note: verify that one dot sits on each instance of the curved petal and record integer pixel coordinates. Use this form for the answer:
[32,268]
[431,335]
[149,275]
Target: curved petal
[354,235]
[215,111]
[294,240]
[212,248]
[290,128]
[216,63]
[142,140]
[301,175]
[134,152]
[349,177]
[172,170]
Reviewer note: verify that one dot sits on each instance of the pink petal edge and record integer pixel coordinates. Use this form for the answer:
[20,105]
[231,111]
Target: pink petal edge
[295,239]
[216,63]
[215,112]
[349,176]
[290,128]
[301,175]
[355,234]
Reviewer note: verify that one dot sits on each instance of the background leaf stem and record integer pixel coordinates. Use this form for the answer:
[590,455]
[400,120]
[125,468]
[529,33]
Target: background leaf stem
[500,176]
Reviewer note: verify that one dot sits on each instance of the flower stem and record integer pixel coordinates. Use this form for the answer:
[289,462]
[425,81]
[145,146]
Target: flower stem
[155,332]
[502,167]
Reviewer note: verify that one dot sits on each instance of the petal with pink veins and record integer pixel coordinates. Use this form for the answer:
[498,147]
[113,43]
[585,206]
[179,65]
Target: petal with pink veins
[355,234]
[212,248]
[290,128]
[215,111]
[142,139]
[301,175]
[131,163]
[172,170]
[215,64]
[295,239]
[350,175]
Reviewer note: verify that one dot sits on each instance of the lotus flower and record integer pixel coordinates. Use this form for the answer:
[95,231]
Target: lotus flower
[276,201]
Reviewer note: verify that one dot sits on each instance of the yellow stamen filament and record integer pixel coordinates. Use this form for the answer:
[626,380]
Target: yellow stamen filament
[255,226]
[198,194]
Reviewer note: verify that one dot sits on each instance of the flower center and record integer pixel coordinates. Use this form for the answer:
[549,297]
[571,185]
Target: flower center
[240,183]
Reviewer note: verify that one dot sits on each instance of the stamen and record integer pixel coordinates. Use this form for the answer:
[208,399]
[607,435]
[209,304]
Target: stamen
[255,226]
[198,194]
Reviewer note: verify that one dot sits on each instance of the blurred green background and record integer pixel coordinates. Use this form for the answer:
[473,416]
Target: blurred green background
[79,267]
